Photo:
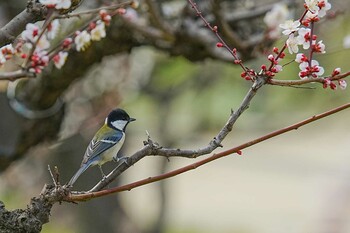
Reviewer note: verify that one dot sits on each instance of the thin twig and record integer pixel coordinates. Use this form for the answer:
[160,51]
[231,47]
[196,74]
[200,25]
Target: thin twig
[159,22]
[227,31]
[52,176]
[215,31]
[307,80]
[93,11]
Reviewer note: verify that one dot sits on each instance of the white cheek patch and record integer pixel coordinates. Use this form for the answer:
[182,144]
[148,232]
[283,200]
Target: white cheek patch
[119,124]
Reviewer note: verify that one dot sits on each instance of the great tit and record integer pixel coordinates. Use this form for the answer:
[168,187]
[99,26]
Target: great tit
[106,143]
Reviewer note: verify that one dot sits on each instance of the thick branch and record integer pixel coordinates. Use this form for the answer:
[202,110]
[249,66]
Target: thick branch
[13,28]
[34,12]
[35,215]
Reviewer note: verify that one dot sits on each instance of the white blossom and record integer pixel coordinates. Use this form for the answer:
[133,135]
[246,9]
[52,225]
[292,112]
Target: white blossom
[290,26]
[43,43]
[277,15]
[278,68]
[48,2]
[60,59]
[52,29]
[58,4]
[342,84]
[320,47]
[63,4]
[324,6]
[292,44]
[312,5]
[31,33]
[304,37]
[315,70]
[8,49]
[82,40]
[300,57]
[6,52]
[99,31]
[346,42]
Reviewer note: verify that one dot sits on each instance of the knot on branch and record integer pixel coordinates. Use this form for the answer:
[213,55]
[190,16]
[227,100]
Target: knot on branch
[36,8]
[216,142]
[154,146]
[259,82]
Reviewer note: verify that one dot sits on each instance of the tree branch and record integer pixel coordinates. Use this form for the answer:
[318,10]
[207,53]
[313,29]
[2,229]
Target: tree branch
[237,149]
[152,148]
[159,22]
[34,12]
[12,29]
[13,75]
[278,82]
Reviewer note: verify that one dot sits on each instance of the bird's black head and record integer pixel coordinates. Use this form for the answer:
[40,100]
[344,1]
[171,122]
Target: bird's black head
[118,119]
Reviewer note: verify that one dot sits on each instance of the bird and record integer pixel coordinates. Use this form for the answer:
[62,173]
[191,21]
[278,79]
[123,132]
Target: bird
[106,143]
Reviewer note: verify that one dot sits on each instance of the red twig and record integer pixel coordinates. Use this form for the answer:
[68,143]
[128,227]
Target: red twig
[215,31]
[306,80]
[312,28]
[237,149]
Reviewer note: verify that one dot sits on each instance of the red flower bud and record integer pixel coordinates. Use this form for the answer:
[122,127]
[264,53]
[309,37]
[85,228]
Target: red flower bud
[219,45]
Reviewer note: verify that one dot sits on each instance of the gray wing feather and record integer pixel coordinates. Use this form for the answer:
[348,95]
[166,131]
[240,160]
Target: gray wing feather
[97,147]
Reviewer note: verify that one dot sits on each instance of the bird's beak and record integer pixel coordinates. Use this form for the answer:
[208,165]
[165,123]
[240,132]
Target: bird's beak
[132,119]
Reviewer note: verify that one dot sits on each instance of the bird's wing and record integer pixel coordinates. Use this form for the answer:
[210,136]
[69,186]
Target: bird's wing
[97,147]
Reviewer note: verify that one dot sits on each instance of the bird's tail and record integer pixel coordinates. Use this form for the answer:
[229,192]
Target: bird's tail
[78,173]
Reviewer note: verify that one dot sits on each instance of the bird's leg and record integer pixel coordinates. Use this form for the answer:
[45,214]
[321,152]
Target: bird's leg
[122,159]
[102,173]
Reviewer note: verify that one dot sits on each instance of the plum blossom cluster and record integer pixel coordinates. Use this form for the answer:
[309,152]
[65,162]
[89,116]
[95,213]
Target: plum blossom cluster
[95,32]
[304,38]
[314,11]
[328,82]
[37,49]
[38,41]
[308,68]
[300,35]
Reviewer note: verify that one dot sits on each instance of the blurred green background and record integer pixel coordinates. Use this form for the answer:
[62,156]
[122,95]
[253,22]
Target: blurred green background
[297,182]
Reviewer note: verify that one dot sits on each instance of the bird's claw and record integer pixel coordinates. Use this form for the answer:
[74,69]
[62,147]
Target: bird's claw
[123,159]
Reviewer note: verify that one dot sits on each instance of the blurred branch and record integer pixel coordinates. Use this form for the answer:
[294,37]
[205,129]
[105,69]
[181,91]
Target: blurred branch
[13,75]
[237,149]
[227,31]
[94,11]
[158,19]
